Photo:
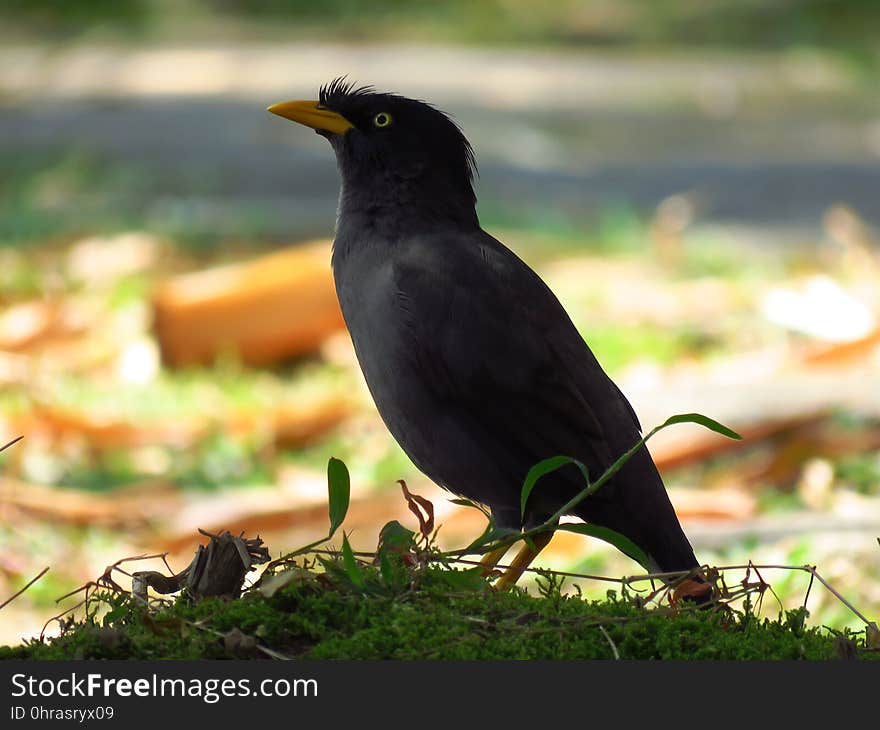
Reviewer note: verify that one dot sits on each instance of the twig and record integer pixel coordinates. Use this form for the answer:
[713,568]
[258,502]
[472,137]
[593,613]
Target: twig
[627,580]
[561,573]
[812,571]
[610,642]
[667,577]
[809,588]
[14,441]
[31,581]
[66,611]
[105,580]
[299,551]
[271,653]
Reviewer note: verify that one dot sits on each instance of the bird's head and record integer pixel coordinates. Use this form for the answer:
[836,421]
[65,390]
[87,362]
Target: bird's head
[388,146]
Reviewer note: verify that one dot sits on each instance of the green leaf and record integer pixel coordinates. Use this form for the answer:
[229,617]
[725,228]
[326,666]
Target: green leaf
[333,569]
[474,505]
[464,503]
[339,489]
[386,569]
[622,543]
[394,536]
[470,579]
[491,534]
[352,569]
[115,614]
[542,468]
[702,420]
[274,583]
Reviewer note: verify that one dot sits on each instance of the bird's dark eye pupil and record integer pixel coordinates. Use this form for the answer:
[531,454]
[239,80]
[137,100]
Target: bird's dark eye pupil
[382,119]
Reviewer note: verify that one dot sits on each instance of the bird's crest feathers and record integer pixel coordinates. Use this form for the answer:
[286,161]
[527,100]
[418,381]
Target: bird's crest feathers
[341,92]
[341,88]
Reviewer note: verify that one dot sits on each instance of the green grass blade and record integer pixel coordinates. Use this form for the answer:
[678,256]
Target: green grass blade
[622,543]
[352,569]
[702,420]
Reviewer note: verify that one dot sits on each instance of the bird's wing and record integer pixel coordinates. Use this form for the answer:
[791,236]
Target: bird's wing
[494,343]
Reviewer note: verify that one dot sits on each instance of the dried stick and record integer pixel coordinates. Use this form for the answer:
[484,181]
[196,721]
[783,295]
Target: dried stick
[610,642]
[31,581]
[14,441]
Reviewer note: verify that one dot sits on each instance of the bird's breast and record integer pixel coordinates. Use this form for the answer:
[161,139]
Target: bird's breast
[386,353]
[366,291]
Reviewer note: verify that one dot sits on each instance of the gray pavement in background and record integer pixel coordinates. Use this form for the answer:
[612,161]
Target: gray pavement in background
[764,140]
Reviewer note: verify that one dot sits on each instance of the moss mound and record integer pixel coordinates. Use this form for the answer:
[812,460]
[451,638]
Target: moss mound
[435,612]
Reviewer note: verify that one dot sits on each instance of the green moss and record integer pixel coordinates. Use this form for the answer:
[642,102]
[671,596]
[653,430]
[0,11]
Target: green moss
[435,613]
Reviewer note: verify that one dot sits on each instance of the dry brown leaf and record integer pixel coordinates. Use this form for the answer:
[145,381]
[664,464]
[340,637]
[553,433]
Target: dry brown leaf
[278,306]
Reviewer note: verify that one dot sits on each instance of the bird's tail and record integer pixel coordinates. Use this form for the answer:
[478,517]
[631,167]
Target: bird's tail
[637,506]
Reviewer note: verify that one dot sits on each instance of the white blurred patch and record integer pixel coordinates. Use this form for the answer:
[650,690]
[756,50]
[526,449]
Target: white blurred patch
[821,308]
[139,362]
[102,259]
[816,483]
[24,322]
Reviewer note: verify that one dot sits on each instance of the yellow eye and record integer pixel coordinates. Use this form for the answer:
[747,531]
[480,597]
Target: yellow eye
[382,119]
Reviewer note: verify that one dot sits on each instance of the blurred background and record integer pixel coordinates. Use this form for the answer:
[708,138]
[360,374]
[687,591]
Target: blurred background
[697,181]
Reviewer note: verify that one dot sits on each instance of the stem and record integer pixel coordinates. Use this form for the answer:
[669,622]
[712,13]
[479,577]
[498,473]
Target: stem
[298,551]
[14,441]
[27,585]
[594,487]
[812,571]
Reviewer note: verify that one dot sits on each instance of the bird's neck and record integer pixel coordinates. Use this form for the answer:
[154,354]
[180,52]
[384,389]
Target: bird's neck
[406,207]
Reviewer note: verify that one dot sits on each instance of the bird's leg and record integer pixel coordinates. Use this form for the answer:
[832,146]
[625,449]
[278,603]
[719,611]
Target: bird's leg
[523,560]
[490,559]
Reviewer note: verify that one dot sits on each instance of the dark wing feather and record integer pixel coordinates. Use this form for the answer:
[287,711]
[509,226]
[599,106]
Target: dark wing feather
[507,370]
[507,359]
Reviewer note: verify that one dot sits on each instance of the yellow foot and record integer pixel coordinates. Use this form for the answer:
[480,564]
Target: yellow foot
[490,560]
[522,561]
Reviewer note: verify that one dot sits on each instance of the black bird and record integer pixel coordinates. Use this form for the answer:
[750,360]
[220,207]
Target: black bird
[473,363]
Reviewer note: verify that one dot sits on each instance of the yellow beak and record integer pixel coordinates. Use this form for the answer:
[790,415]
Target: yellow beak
[312,115]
